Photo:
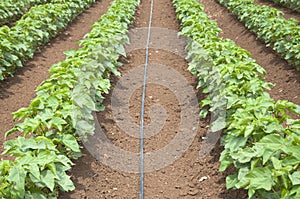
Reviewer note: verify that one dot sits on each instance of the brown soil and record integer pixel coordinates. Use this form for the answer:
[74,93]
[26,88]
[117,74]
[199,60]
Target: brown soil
[288,13]
[189,176]
[17,92]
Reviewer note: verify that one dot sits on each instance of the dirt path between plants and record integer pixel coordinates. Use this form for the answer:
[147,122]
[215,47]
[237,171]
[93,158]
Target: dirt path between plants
[189,176]
[17,92]
[285,77]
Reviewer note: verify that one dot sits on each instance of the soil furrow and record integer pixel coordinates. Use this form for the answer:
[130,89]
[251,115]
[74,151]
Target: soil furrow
[17,92]
[177,172]
[285,77]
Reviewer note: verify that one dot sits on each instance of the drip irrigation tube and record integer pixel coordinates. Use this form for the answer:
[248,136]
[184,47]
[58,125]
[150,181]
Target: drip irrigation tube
[143,108]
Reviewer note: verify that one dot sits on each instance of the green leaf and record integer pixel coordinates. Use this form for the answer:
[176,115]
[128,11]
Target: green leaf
[276,163]
[295,178]
[293,150]
[70,53]
[34,170]
[225,160]
[64,180]
[85,126]
[17,175]
[71,142]
[244,155]
[53,102]
[235,142]
[258,178]
[269,145]
[203,113]
[58,123]
[218,124]
[35,194]
[248,131]
[231,181]
[295,190]
[47,178]
[84,100]
[205,102]
[45,157]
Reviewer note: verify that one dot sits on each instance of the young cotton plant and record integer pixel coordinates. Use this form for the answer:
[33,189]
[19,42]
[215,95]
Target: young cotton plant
[269,24]
[33,30]
[292,4]
[11,10]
